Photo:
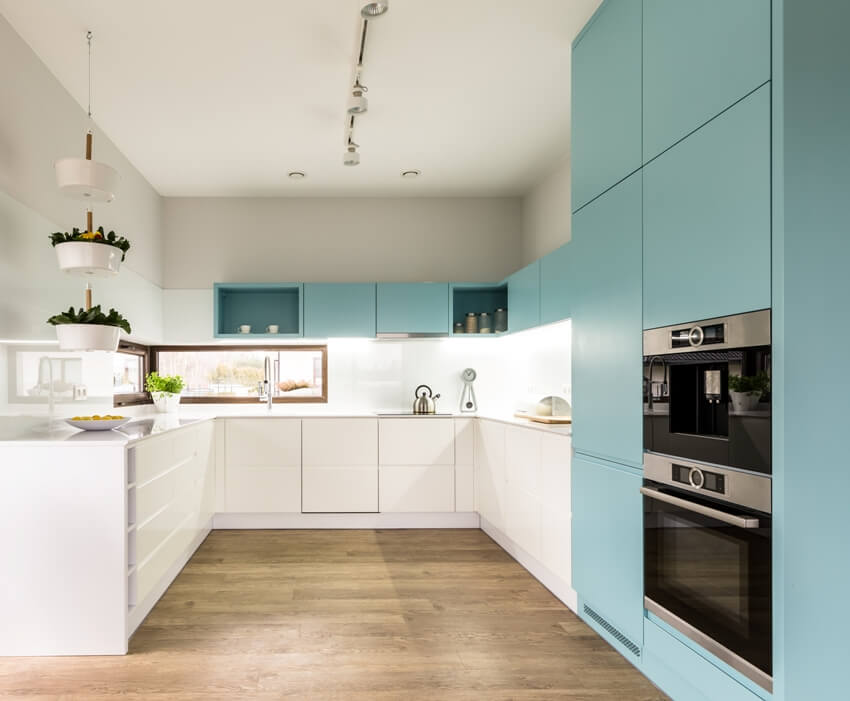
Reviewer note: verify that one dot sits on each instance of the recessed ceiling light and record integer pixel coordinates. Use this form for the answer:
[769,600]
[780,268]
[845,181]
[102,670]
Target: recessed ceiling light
[374,9]
[410,174]
[297,174]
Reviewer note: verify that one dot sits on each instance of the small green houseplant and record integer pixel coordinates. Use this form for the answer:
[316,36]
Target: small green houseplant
[746,391]
[89,329]
[164,390]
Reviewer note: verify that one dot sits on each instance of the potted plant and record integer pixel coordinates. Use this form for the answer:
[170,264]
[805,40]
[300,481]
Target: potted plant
[164,390]
[89,329]
[90,252]
[745,392]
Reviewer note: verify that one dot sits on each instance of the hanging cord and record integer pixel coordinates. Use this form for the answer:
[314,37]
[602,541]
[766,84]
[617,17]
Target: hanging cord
[89,38]
[89,131]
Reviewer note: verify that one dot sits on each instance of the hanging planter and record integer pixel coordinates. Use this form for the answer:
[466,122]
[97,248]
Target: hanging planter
[89,329]
[84,178]
[91,252]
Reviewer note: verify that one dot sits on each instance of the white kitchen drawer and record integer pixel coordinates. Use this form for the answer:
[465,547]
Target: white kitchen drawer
[555,476]
[263,442]
[417,488]
[413,441]
[340,489]
[333,442]
[490,485]
[262,489]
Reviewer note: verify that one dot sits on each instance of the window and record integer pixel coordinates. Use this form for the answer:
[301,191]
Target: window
[129,367]
[233,374]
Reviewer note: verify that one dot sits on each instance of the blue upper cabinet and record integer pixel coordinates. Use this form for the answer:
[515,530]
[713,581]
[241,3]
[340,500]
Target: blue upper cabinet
[698,59]
[607,329]
[524,298]
[344,310]
[606,100]
[555,280]
[413,308]
[608,544]
[707,219]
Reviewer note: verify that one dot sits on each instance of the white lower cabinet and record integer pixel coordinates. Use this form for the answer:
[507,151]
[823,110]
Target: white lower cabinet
[171,502]
[340,465]
[417,465]
[522,488]
[490,471]
[262,471]
[464,465]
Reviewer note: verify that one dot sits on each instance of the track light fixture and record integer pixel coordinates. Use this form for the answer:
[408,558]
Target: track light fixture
[351,156]
[374,9]
[357,103]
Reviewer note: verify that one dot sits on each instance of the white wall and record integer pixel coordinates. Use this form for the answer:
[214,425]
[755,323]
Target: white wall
[40,123]
[546,214]
[340,239]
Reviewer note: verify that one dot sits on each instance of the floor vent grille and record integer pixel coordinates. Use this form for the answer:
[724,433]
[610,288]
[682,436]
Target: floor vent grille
[612,631]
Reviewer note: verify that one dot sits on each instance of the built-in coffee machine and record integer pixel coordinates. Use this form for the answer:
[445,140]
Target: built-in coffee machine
[707,391]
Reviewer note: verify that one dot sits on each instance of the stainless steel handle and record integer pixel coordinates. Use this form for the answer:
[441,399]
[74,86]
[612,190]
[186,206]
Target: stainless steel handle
[740,521]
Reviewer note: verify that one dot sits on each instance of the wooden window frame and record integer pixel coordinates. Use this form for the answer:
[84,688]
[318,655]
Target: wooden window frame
[323,399]
[135,398]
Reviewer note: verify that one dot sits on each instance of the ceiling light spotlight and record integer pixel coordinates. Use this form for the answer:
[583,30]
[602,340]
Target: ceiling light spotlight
[297,175]
[351,157]
[357,103]
[410,174]
[374,9]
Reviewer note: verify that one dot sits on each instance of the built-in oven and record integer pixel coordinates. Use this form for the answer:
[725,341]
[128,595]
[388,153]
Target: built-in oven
[707,391]
[707,559]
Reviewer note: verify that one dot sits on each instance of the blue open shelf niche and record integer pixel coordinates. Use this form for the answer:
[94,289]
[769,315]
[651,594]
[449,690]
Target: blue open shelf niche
[259,305]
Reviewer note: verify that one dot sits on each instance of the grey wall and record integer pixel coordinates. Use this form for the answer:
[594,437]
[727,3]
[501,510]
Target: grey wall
[546,212]
[339,239]
[40,123]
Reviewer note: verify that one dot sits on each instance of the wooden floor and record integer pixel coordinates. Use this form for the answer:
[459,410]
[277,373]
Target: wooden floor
[346,615]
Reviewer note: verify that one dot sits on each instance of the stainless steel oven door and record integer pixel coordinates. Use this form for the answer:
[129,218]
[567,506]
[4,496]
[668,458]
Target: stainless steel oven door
[707,572]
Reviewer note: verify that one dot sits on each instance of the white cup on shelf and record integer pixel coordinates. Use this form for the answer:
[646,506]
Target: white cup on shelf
[272,328]
[245,328]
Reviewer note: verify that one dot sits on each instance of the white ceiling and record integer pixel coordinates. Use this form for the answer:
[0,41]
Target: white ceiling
[219,97]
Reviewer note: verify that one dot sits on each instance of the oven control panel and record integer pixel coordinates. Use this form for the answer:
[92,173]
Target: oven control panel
[699,479]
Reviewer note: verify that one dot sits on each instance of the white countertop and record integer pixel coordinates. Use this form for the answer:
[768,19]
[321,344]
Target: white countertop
[40,431]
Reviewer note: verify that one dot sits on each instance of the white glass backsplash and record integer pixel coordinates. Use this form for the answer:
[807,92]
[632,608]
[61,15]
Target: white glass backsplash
[363,375]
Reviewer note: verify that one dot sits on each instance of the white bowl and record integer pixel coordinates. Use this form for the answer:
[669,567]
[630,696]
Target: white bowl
[98,424]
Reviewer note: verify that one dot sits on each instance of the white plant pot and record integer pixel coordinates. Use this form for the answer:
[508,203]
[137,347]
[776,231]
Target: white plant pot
[87,337]
[84,257]
[165,402]
[86,180]
[744,401]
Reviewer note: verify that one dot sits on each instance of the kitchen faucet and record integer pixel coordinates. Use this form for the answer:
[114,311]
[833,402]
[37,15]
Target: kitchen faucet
[264,388]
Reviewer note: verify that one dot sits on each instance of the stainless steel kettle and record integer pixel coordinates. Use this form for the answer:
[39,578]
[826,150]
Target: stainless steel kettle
[424,402]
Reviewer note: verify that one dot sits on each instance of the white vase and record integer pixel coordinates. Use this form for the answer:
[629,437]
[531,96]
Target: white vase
[744,401]
[87,258]
[166,402]
[87,337]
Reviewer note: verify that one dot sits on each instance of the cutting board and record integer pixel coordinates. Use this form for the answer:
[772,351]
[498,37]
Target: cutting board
[544,419]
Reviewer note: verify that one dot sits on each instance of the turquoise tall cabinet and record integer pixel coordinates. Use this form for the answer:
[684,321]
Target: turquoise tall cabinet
[606,102]
[607,328]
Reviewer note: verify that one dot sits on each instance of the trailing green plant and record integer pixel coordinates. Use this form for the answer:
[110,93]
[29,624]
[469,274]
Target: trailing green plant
[110,239]
[90,316]
[750,383]
[154,382]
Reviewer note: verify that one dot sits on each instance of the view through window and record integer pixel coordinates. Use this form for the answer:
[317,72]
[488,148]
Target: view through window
[299,373]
